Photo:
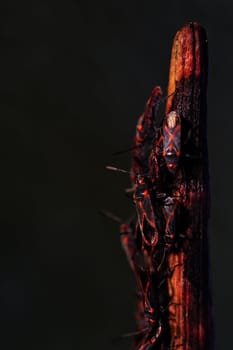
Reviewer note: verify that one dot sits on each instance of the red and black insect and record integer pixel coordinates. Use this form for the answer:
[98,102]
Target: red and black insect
[149,323]
[169,208]
[145,211]
[171,236]
[151,310]
[128,242]
[145,134]
[142,175]
[172,141]
[146,123]
[138,258]
[150,307]
[156,312]
[144,208]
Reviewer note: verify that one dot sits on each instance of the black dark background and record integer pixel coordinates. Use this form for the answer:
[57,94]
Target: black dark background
[74,77]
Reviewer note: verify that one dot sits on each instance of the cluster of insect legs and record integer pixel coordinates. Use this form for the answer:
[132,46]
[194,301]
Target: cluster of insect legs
[148,238]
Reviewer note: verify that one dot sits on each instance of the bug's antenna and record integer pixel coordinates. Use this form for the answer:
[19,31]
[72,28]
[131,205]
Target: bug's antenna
[138,146]
[163,258]
[112,168]
[126,150]
[130,190]
[110,215]
[109,167]
[128,335]
[166,97]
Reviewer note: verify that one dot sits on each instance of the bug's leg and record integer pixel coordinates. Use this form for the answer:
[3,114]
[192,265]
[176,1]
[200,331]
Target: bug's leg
[170,271]
[165,250]
[129,244]
[130,190]
[145,212]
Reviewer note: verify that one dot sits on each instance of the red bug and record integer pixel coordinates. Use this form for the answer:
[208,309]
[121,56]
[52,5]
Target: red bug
[150,306]
[152,318]
[138,259]
[146,123]
[169,208]
[149,328]
[148,342]
[145,211]
[128,243]
[145,133]
[144,207]
[172,141]
[142,180]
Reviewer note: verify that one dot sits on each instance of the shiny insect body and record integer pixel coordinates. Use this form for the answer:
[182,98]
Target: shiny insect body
[153,316]
[146,123]
[128,243]
[156,310]
[142,180]
[169,209]
[149,340]
[145,211]
[150,327]
[171,140]
[145,134]
[151,307]
[139,260]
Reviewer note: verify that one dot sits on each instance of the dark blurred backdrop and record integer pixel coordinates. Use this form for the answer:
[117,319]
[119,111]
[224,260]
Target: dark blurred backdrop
[74,77]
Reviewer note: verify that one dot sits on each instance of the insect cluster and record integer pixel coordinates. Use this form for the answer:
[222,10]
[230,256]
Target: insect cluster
[156,231]
[166,243]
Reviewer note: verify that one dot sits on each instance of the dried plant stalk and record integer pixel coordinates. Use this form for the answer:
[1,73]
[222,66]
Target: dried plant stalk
[167,244]
[192,324]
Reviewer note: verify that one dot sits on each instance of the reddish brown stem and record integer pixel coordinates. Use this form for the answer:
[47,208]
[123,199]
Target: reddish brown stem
[167,246]
[188,77]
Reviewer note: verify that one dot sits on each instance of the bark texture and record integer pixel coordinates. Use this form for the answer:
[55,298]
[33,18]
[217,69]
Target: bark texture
[192,325]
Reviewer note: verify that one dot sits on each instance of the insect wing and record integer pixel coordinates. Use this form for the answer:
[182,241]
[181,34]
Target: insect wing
[128,243]
[172,141]
[145,125]
[145,133]
[169,215]
[146,217]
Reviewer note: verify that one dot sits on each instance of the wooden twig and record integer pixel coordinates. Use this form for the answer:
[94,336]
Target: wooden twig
[192,325]
[167,244]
